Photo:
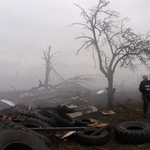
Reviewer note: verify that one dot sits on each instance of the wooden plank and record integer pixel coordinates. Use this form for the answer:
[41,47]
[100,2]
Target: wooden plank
[49,129]
[107,112]
[100,130]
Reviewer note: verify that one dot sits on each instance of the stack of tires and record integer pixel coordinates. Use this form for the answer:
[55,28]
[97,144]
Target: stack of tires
[17,137]
[64,120]
[57,117]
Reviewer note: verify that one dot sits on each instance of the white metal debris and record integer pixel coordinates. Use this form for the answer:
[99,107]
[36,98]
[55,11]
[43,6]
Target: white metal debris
[101,91]
[8,102]
[68,134]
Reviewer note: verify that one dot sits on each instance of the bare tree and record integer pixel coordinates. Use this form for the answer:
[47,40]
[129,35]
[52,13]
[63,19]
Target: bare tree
[114,44]
[49,63]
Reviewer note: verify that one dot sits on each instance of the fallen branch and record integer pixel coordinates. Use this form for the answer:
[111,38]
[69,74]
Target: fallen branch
[14,88]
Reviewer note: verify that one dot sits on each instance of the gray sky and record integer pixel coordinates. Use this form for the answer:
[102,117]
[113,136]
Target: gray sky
[28,26]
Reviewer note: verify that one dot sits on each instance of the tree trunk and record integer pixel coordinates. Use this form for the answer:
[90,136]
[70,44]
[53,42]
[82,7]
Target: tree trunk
[46,82]
[110,89]
[47,75]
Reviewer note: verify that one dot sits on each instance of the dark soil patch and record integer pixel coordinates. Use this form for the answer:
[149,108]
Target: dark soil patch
[128,106]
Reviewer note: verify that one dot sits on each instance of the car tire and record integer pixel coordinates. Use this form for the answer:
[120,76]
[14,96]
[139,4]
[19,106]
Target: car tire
[82,121]
[64,119]
[20,140]
[83,137]
[36,123]
[133,132]
[9,125]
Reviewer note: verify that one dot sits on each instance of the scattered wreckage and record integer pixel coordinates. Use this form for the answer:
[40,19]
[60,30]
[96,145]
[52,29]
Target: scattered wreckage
[24,127]
[41,124]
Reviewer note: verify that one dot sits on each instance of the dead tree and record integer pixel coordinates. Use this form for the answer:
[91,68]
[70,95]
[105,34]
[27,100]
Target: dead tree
[48,58]
[79,80]
[113,43]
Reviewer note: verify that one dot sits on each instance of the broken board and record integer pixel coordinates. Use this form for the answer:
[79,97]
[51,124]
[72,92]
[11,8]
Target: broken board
[107,112]
[98,124]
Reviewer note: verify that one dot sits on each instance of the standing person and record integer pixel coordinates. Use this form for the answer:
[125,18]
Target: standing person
[144,88]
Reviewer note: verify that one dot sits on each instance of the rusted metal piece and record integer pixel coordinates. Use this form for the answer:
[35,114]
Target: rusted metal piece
[4,117]
[27,103]
[50,129]
[100,130]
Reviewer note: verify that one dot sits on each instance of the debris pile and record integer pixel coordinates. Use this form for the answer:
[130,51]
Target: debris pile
[46,123]
[57,118]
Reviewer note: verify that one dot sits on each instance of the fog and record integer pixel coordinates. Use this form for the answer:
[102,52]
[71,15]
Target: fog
[28,27]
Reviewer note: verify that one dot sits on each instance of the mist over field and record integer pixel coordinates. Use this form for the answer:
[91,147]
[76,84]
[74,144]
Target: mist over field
[28,27]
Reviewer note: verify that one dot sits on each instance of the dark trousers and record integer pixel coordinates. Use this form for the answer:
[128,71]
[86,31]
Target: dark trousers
[146,100]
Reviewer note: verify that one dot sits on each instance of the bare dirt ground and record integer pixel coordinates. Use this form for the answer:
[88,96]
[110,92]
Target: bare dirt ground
[127,105]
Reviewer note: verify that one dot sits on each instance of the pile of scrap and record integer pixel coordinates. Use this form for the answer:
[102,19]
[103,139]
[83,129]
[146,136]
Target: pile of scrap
[46,122]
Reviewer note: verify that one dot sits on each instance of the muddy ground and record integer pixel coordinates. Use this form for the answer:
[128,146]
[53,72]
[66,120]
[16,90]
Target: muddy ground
[127,105]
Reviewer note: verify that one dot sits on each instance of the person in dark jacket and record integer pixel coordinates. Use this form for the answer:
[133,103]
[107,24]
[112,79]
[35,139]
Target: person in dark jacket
[144,88]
